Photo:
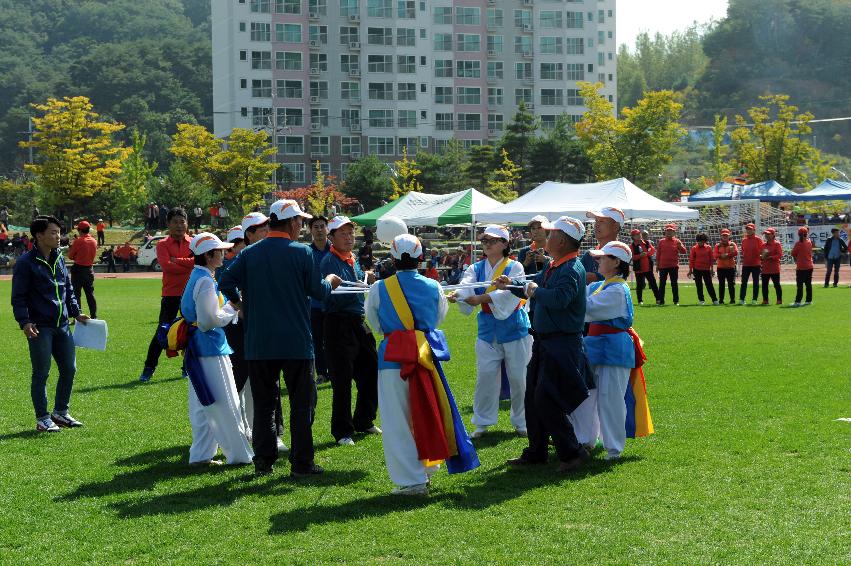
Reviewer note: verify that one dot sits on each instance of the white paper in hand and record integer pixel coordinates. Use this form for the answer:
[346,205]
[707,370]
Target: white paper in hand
[91,335]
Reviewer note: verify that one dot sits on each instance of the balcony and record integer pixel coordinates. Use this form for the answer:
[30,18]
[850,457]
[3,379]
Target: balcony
[354,46]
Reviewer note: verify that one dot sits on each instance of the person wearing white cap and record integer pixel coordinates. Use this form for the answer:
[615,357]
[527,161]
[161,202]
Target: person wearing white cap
[503,333]
[607,224]
[321,247]
[214,408]
[276,276]
[534,257]
[255,227]
[349,343]
[407,308]
[610,350]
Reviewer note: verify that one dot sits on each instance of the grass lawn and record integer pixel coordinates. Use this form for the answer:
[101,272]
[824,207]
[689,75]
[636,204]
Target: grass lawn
[748,464]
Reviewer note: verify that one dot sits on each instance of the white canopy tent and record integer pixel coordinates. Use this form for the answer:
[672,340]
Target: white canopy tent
[553,200]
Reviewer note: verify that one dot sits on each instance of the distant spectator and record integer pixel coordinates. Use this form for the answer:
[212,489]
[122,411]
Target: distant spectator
[152,213]
[432,272]
[668,262]
[700,265]
[365,257]
[36,213]
[100,229]
[534,257]
[125,254]
[751,249]
[642,263]
[223,214]
[771,254]
[108,257]
[834,247]
[803,254]
[214,215]
[83,252]
[162,216]
[4,216]
[197,214]
[725,255]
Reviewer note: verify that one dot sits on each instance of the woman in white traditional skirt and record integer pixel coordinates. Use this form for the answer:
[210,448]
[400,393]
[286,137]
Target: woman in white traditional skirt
[214,409]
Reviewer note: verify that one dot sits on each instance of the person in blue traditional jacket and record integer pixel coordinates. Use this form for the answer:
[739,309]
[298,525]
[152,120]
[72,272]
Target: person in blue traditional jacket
[214,409]
[503,333]
[349,343]
[607,225]
[321,247]
[555,383]
[276,277]
[610,350]
[422,425]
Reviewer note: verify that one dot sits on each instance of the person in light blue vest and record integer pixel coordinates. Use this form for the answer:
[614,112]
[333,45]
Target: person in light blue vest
[214,408]
[503,333]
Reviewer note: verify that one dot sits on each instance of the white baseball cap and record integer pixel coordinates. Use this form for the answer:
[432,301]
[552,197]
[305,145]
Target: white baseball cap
[495,231]
[406,244]
[567,224]
[285,208]
[615,214]
[339,222]
[235,233]
[205,242]
[253,219]
[539,218]
[617,249]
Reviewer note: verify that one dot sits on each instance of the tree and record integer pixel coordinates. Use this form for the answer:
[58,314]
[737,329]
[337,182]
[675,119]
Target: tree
[502,184]
[559,156]
[404,179]
[319,195]
[368,180]
[179,187]
[125,198]
[480,164]
[454,167]
[775,146]
[77,155]
[518,138]
[636,146]
[720,166]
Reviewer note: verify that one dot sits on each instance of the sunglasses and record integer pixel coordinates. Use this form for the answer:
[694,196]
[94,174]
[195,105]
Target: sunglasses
[490,241]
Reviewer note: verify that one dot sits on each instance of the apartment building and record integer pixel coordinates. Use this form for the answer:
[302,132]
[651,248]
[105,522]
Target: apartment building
[332,80]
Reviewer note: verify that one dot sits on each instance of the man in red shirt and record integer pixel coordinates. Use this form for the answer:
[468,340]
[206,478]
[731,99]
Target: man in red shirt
[100,228]
[668,262]
[771,254]
[642,263]
[751,262]
[725,256]
[83,252]
[177,262]
[803,254]
[700,262]
[125,253]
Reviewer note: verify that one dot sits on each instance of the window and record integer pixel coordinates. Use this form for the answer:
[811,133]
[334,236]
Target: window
[551,45]
[468,16]
[261,32]
[406,91]
[318,7]
[349,145]
[243,55]
[443,95]
[261,59]
[319,116]
[469,42]
[295,169]
[495,70]
[442,67]
[291,145]
[319,61]
[523,44]
[574,20]
[319,34]
[601,16]
[552,97]
[350,116]
[381,118]
[522,18]
[349,63]
[601,37]
[379,36]
[319,88]
[468,95]
[349,90]
[522,71]
[494,96]
[548,121]
[381,146]
[443,122]
[495,122]
[288,6]
[573,98]
[288,61]
[468,69]
[379,63]
[289,89]
[319,145]
[550,19]
[575,72]
[407,119]
[406,64]
[410,145]
[443,15]
[288,33]
[243,112]
[243,83]
[469,122]
[379,8]
[242,26]
[495,43]
[552,71]
[380,91]
[495,19]
[574,46]
[523,95]
[348,35]
[349,8]
[261,88]
[261,117]
[290,116]
[441,145]
[260,6]
[406,9]
[406,37]
[443,42]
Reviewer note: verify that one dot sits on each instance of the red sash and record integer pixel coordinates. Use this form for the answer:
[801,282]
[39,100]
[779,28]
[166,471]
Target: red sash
[597,329]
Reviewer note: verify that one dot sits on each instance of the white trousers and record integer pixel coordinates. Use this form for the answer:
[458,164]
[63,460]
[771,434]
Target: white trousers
[603,413]
[247,403]
[400,450]
[219,424]
[489,358]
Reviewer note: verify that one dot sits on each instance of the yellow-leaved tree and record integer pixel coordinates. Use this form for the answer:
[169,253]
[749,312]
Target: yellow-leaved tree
[502,184]
[405,179]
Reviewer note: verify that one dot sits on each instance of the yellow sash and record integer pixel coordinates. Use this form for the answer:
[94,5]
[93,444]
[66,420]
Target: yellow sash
[608,282]
[403,311]
[500,269]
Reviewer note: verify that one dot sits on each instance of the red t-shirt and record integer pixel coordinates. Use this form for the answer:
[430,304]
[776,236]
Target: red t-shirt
[643,262]
[101,227]
[83,251]
[175,272]
[731,250]
[667,252]
[803,254]
[771,263]
[700,257]
[751,248]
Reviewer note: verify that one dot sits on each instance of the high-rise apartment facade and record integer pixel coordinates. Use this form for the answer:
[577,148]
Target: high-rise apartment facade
[333,80]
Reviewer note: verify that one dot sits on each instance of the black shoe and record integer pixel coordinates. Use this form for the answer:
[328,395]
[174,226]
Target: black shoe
[262,467]
[312,470]
[524,461]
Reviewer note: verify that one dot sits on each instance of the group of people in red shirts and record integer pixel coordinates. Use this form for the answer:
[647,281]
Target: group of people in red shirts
[760,259]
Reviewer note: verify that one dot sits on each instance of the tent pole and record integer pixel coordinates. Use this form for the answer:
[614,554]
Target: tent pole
[473,240]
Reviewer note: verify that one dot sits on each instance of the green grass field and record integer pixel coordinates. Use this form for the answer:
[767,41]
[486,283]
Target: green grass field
[748,464]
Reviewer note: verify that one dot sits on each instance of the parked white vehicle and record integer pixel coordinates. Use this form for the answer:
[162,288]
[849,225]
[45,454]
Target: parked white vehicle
[148,254]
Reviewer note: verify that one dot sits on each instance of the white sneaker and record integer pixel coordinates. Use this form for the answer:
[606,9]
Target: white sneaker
[808,303]
[479,432]
[742,302]
[46,425]
[418,489]
[702,303]
[346,442]
[795,305]
[715,303]
[65,421]
[613,456]
[372,430]
[281,446]
[753,301]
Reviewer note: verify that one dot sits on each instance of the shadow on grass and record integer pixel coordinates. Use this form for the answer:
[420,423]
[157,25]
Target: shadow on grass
[490,487]
[29,433]
[124,385]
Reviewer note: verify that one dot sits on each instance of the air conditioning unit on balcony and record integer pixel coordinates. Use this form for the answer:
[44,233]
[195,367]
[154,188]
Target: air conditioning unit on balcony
[354,45]
[314,44]
[314,100]
[530,106]
[354,18]
[355,127]
[355,155]
[527,55]
[354,73]
[314,14]
[527,27]
[314,71]
[491,53]
[528,2]
[315,126]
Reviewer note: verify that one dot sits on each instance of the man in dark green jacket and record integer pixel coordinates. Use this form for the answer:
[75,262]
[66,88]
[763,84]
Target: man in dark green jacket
[276,276]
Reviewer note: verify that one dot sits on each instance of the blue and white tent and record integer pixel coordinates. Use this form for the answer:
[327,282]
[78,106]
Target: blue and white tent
[767,191]
[828,190]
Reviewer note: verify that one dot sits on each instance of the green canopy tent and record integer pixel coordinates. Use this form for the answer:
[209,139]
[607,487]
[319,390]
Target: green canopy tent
[421,209]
